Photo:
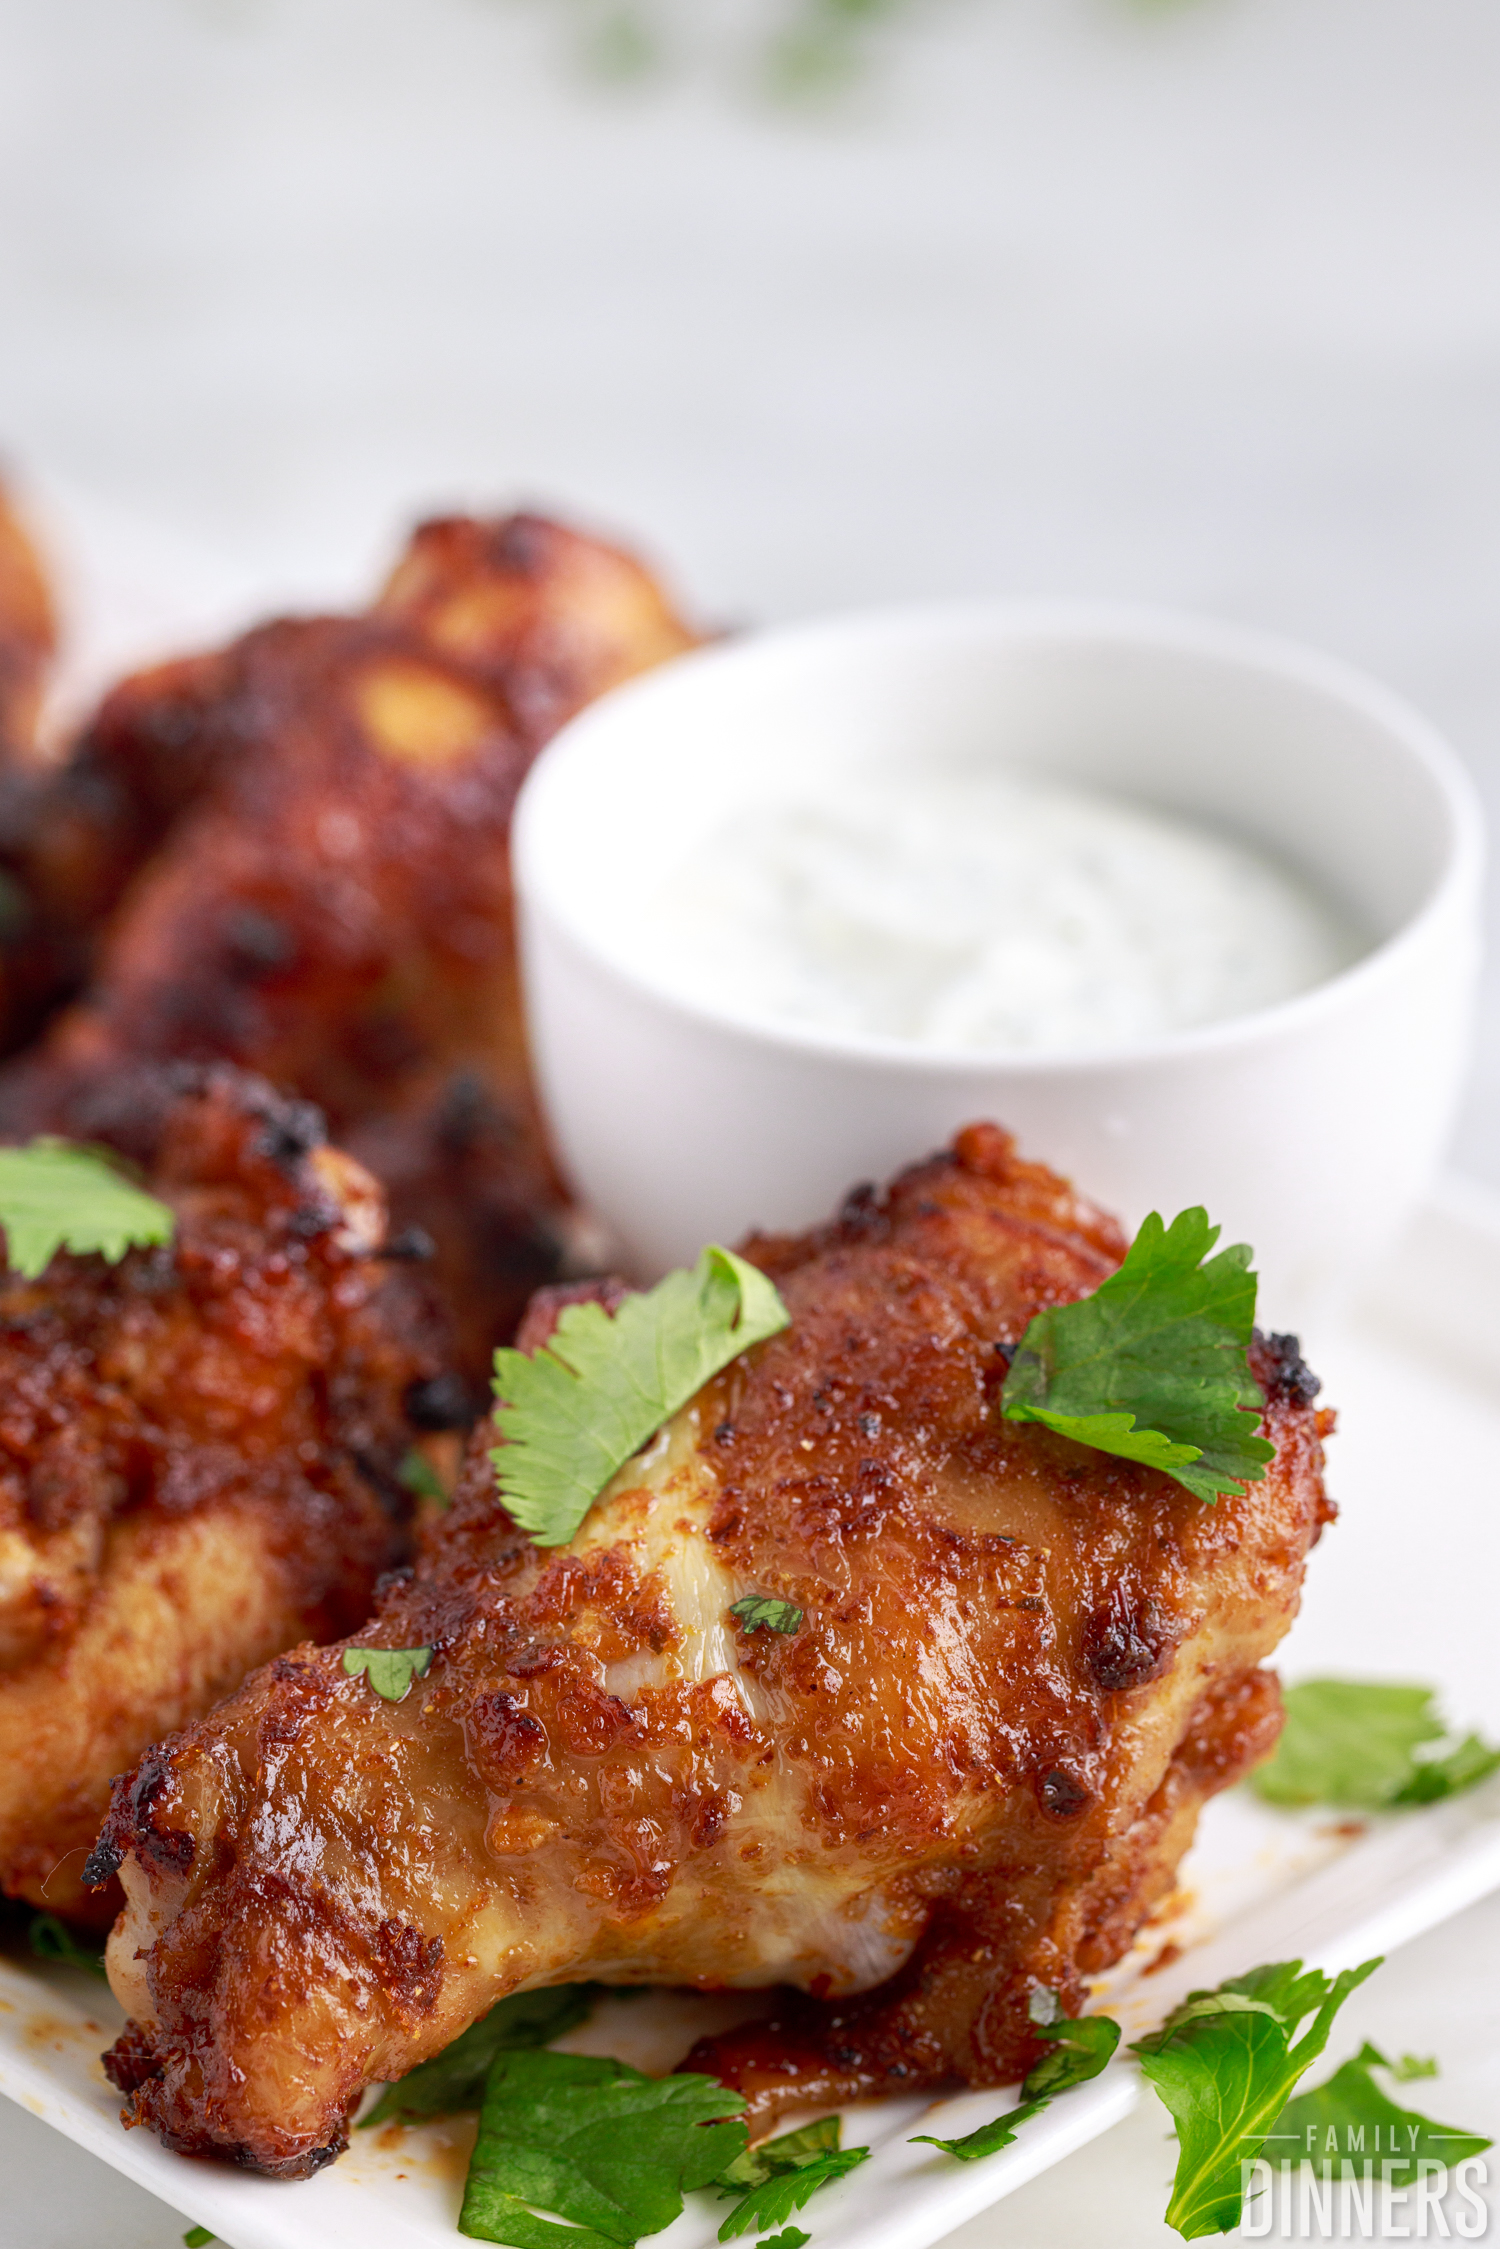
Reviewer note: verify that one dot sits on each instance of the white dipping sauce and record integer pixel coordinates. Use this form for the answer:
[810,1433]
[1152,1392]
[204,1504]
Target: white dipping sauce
[987,913]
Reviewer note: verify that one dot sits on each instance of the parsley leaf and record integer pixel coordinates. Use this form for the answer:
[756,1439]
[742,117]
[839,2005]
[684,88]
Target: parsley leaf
[789,2153]
[1470,1762]
[572,1413]
[598,2143]
[418,1476]
[55,1196]
[1368,1745]
[779,2176]
[1079,2051]
[454,2079]
[1152,1366]
[390,1671]
[777,2197]
[51,1939]
[1224,2064]
[793,2238]
[759,1609]
[1348,2115]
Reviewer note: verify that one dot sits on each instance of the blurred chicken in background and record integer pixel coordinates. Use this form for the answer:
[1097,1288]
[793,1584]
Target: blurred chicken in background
[293,854]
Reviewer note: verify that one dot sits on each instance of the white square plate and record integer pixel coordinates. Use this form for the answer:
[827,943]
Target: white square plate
[1403,1586]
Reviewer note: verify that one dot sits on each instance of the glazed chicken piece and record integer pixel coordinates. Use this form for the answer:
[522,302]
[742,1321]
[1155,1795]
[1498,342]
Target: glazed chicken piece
[199,1453]
[1022,1666]
[34,955]
[28,634]
[294,856]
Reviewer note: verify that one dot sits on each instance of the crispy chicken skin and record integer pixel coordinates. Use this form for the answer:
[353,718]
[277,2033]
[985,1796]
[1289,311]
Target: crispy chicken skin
[294,856]
[1022,1667]
[199,1450]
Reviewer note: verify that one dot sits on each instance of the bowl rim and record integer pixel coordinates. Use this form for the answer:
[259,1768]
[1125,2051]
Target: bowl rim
[1156,630]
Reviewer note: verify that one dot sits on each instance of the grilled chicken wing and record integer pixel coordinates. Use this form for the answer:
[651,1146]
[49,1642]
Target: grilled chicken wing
[199,1450]
[295,856]
[27,634]
[1021,1668]
[35,954]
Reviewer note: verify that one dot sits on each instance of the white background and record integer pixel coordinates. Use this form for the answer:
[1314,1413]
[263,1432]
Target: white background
[1194,303]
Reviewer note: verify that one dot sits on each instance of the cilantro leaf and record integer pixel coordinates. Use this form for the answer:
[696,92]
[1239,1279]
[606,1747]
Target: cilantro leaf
[1367,1745]
[596,2142]
[1152,1366]
[1080,2048]
[1348,2115]
[572,1413]
[55,1196]
[777,2197]
[390,1671]
[1224,2064]
[1471,1761]
[418,1476]
[454,2079]
[789,2153]
[987,2139]
[793,2238]
[51,1939]
[759,1609]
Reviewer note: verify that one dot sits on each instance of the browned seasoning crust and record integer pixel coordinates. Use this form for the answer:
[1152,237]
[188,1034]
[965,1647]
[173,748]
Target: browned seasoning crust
[293,854]
[1021,1669]
[199,1450]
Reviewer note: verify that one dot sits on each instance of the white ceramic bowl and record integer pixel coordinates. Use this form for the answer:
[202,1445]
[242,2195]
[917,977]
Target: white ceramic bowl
[1308,1128]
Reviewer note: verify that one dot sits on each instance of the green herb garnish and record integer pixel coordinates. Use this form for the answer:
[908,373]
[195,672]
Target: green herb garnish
[790,2153]
[596,2142]
[454,2079]
[572,1413]
[1079,2051]
[56,1196]
[1368,1745]
[793,2238]
[51,1939]
[1152,1366]
[197,2237]
[774,2200]
[759,1609]
[418,1476]
[390,1671]
[1225,2065]
[1349,2115]
[779,2176]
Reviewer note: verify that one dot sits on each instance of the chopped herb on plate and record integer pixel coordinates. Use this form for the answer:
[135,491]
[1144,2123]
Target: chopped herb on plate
[1225,2064]
[1081,2046]
[779,2176]
[51,1939]
[594,2141]
[454,2079]
[1368,1745]
[1348,2115]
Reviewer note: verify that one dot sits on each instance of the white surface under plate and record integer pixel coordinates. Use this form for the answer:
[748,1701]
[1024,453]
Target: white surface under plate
[1400,1587]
